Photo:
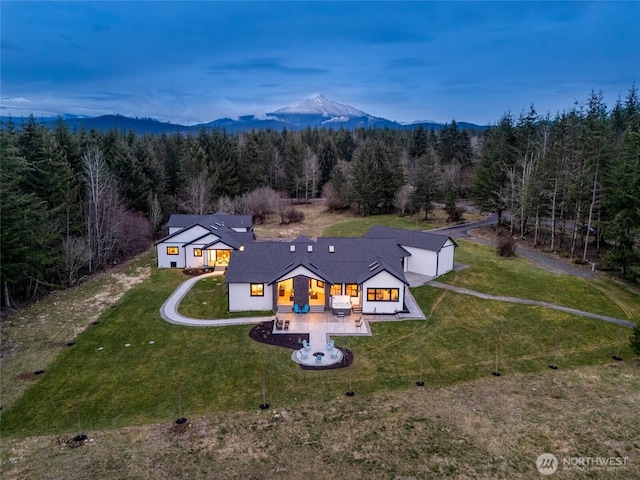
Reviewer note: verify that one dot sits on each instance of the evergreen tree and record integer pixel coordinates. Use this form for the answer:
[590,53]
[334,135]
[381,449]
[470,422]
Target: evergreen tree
[489,187]
[426,183]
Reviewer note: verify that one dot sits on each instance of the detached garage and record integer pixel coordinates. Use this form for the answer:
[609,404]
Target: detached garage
[429,253]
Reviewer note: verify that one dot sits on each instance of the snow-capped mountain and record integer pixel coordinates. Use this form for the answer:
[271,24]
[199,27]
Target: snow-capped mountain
[316,111]
[318,104]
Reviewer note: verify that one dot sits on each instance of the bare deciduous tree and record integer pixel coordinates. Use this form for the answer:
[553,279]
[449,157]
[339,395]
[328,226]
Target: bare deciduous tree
[197,195]
[101,207]
[402,199]
[76,254]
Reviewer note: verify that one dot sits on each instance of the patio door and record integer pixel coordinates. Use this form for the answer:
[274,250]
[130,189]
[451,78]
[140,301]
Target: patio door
[222,257]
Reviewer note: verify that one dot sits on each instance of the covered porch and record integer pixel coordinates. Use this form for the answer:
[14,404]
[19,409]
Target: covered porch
[301,290]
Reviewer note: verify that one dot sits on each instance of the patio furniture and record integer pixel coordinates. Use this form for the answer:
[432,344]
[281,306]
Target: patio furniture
[335,352]
[330,345]
[296,309]
[304,354]
[318,358]
[286,324]
[305,309]
[279,324]
[359,322]
[306,345]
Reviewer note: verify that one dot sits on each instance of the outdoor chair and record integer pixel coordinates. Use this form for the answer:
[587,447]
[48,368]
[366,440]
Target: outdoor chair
[359,322]
[306,345]
[305,309]
[334,354]
[330,345]
[286,324]
[304,354]
[279,324]
[296,308]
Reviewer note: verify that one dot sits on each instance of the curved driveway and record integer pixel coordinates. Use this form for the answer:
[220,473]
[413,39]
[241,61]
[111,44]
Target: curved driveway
[169,309]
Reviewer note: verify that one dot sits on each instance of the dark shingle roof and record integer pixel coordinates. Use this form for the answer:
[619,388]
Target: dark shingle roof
[348,263]
[225,235]
[216,219]
[410,238]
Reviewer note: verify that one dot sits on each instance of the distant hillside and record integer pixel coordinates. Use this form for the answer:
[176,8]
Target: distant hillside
[317,111]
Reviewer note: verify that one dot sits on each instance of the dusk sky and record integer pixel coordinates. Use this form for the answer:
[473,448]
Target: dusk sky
[193,62]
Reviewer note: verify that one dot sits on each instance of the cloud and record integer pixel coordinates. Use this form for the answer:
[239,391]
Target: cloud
[266,64]
[16,99]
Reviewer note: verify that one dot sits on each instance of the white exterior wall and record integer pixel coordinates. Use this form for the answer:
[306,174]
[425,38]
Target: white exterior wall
[421,261]
[173,230]
[240,298]
[191,260]
[164,260]
[446,260]
[185,258]
[383,280]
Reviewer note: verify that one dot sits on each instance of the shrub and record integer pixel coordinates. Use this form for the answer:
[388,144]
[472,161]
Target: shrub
[506,245]
[295,215]
[635,340]
[455,213]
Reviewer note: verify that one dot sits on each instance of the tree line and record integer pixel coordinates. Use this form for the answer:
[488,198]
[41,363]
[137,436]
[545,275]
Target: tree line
[74,202]
[572,182]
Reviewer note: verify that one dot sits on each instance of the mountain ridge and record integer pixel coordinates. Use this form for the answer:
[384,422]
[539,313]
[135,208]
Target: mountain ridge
[316,111]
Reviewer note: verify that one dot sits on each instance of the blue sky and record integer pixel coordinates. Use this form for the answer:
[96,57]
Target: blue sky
[192,62]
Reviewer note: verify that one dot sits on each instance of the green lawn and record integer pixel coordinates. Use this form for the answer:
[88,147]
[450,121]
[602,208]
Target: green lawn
[221,369]
[518,277]
[208,300]
[359,226]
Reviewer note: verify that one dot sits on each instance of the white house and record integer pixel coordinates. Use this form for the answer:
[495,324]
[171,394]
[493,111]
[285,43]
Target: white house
[342,275]
[207,243]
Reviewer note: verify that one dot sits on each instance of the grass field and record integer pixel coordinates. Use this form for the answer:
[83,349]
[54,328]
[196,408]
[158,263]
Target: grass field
[486,429]
[128,394]
[518,277]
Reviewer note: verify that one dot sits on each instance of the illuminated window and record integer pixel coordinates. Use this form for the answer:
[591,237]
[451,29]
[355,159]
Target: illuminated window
[257,290]
[197,252]
[336,289]
[172,250]
[351,289]
[383,294]
[319,284]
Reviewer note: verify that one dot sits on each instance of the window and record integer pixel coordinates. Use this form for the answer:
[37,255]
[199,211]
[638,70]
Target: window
[319,284]
[197,252]
[172,250]
[351,289]
[257,289]
[383,294]
[336,289]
